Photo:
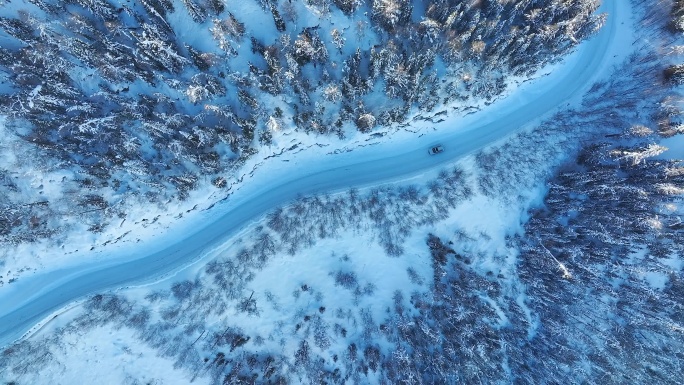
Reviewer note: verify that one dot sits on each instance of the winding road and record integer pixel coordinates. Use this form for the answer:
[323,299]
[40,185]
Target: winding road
[31,299]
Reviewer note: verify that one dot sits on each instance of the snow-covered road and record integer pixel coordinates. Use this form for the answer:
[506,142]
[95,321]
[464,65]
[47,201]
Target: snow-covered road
[28,301]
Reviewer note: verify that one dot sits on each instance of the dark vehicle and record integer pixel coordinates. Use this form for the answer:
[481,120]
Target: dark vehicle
[435,150]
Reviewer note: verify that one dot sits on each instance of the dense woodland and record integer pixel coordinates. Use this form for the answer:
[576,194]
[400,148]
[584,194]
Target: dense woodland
[582,306]
[145,101]
[596,295]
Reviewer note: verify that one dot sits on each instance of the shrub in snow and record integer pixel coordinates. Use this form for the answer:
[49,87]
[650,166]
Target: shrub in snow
[391,13]
[309,48]
[365,122]
[347,280]
[675,74]
[348,6]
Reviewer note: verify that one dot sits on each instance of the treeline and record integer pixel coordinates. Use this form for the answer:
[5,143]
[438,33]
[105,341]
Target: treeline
[393,212]
[597,264]
[113,93]
[597,292]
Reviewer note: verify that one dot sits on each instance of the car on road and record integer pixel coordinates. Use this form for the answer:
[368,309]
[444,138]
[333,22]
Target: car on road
[435,150]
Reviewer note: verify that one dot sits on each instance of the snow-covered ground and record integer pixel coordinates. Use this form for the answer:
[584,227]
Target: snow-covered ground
[334,291]
[146,228]
[105,355]
[363,161]
[339,288]
[78,239]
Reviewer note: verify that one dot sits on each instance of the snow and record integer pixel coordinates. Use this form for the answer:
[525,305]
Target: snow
[310,149]
[361,161]
[33,94]
[479,227]
[106,355]
[287,289]
[316,268]
[655,279]
[675,262]
[675,146]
